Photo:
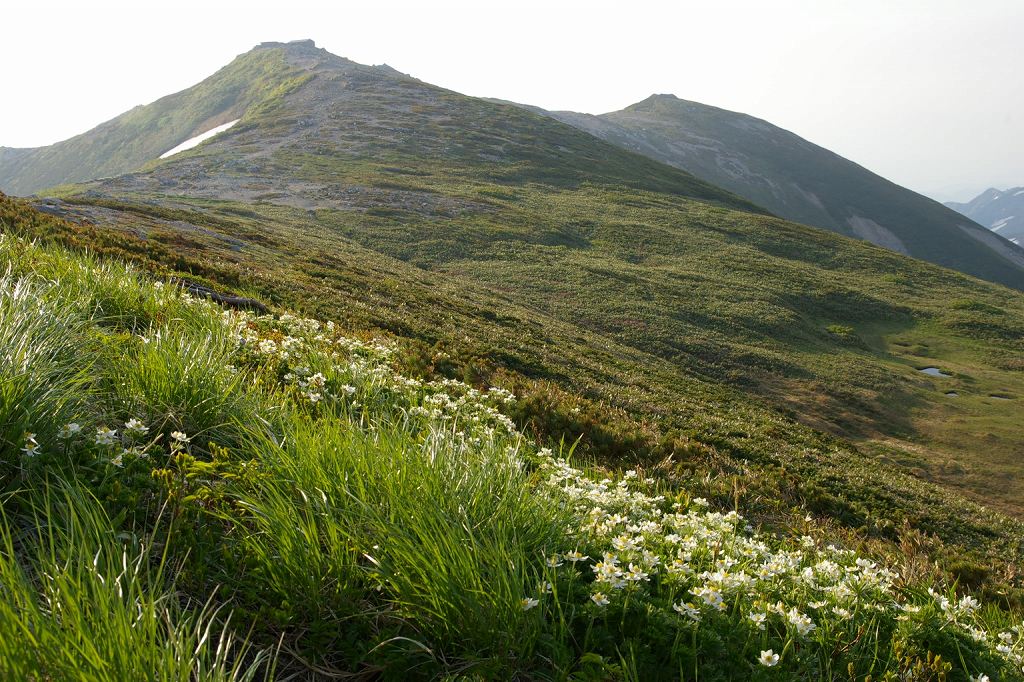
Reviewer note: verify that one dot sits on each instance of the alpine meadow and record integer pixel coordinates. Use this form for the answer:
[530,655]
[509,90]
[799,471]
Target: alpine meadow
[383,381]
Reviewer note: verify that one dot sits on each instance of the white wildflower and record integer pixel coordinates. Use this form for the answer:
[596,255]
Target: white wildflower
[31,447]
[636,574]
[969,604]
[606,571]
[105,436]
[134,427]
[803,624]
[625,543]
[69,431]
[687,609]
[710,596]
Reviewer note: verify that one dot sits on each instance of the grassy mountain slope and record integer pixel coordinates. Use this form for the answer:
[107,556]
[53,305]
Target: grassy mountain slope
[628,302]
[131,140]
[477,135]
[200,493]
[803,182]
[575,229]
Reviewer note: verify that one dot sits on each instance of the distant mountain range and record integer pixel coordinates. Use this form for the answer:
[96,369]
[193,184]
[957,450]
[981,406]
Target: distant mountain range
[1000,211]
[800,181]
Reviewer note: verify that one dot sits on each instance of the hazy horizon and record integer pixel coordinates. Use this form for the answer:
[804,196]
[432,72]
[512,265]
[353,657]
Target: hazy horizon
[926,94]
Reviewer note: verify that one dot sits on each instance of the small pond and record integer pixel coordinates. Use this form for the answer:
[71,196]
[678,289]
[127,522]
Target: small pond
[934,372]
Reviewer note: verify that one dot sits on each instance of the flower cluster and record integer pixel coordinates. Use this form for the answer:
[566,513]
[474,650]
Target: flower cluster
[31,446]
[628,539]
[129,441]
[711,565]
[128,444]
[324,368]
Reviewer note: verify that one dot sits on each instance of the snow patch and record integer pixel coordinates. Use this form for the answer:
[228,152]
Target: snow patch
[1001,223]
[202,137]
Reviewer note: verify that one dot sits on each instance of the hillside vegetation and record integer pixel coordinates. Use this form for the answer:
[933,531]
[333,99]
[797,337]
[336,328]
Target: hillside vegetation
[664,319]
[533,226]
[205,494]
[620,309]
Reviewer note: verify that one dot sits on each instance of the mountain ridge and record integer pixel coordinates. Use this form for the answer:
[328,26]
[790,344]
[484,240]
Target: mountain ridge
[280,68]
[801,181]
[136,138]
[1002,211]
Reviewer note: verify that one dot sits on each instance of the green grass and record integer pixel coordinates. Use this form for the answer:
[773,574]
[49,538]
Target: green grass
[340,517]
[38,365]
[180,379]
[656,317]
[83,601]
[554,293]
[691,316]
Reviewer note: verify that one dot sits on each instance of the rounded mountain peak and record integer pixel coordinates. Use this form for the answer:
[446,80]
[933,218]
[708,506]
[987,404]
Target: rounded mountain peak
[306,43]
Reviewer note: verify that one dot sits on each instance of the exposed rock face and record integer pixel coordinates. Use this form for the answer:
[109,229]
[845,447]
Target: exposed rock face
[868,230]
[237,302]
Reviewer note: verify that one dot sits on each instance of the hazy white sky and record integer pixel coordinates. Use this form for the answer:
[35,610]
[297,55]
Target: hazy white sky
[928,93]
